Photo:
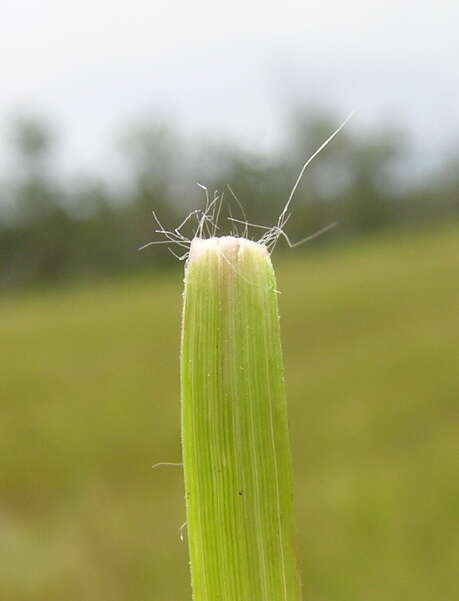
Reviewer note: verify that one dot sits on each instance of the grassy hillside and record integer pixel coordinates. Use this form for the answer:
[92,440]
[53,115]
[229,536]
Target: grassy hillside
[89,401]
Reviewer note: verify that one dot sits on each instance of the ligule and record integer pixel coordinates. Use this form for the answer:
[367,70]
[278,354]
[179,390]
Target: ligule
[236,450]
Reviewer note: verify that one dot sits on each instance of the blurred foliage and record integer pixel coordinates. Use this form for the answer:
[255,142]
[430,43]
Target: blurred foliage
[54,228]
[89,388]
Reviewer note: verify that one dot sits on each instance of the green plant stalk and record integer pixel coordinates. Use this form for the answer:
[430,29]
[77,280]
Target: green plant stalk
[236,450]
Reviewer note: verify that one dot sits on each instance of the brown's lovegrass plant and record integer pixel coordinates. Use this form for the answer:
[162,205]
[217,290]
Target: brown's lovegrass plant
[236,449]
[236,455]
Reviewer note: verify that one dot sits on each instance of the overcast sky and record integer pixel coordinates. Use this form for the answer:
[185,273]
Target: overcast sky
[227,69]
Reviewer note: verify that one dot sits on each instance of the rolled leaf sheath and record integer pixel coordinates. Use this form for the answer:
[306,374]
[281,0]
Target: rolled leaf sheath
[236,451]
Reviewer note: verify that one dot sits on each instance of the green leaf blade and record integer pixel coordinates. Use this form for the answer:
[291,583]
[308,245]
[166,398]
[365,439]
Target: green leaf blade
[236,448]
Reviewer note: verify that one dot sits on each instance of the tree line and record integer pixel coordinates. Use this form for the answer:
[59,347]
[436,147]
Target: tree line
[55,228]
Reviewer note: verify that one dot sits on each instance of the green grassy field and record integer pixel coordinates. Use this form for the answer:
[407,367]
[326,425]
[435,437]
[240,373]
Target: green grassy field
[90,400]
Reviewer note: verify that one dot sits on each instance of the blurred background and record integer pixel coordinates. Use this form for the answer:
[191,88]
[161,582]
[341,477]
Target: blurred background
[110,110]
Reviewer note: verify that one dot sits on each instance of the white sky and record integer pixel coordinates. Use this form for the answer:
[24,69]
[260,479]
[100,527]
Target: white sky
[231,69]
